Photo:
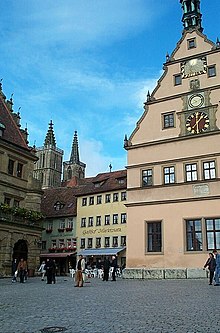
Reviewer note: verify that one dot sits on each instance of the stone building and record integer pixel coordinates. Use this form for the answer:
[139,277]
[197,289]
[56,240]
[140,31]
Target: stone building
[173,166]
[74,167]
[20,193]
[48,168]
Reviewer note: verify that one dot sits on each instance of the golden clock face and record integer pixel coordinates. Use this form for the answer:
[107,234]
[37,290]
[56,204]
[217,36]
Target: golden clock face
[194,67]
[195,101]
[197,122]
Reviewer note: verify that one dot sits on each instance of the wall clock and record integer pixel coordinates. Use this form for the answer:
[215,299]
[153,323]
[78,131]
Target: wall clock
[197,122]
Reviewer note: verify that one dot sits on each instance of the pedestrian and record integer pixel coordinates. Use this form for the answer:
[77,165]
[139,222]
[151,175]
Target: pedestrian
[211,264]
[54,272]
[22,268]
[49,270]
[114,266]
[99,269]
[42,270]
[14,270]
[217,268]
[106,266]
[80,272]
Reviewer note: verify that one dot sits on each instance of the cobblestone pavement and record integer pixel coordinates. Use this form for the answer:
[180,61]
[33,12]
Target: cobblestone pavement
[124,306]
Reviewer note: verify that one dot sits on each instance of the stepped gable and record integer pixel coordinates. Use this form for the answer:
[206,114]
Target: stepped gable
[105,182]
[57,202]
[12,133]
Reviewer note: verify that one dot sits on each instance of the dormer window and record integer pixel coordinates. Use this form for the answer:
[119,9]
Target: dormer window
[191,43]
[121,180]
[2,129]
[58,205]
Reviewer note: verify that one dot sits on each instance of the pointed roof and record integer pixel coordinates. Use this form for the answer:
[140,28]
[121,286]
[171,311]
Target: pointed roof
[192,16]
[74,157]
[50,137]
[11,132]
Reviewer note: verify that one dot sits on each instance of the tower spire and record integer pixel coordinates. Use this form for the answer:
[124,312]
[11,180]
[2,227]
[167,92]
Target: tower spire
[192,16]
[50,137]
[74,158]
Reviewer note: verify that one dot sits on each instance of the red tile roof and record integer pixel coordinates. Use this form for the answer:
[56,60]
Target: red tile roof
[12,132]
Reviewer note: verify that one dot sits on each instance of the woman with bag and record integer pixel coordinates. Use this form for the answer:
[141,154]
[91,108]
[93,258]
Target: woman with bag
[211,264]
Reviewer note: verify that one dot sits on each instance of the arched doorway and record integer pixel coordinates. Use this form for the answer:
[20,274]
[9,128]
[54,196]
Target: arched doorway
[20,250]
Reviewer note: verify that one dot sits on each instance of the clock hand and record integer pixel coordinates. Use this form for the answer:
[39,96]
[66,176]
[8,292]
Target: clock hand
[197,121]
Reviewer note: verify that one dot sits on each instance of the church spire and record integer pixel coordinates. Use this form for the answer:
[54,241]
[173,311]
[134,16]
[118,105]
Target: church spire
[191,14]
[50,137]
[74,158]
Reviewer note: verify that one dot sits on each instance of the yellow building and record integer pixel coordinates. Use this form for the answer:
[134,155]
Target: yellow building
[173,169]
[101,217]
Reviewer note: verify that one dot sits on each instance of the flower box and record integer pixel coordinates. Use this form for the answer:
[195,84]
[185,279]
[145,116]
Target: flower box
[61,229]
[48,231]
[69,229]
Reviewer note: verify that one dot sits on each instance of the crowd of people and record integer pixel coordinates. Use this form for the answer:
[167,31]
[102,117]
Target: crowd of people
[48,269]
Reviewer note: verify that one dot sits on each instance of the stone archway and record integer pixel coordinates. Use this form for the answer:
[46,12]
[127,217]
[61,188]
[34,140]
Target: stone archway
[20,250]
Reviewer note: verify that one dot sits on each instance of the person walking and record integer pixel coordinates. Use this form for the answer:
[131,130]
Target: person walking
[49,270]
[42,270]
[14,270]
[211,264]
[80,272]
[22,268]
[106,266]
[114,266]
[217,268]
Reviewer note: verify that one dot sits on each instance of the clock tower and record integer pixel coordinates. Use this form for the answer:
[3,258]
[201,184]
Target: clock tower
[173,164]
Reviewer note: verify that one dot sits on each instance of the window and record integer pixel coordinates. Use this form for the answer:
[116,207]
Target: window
[43,245]
[191,172]
[2,129]
[98,242]
[177,80]
[7,201]
[107,241]
[16,203]
[50,226]
[53,243]
[107,219]
[90,221]
[115,197]
[58,205]
[193,235]
[121,181]
[123,240]
[82,243]
[108,198]
[213,234]
[19,170]
[209,170]
[83,222]
[61,243]
[211,71]
[98,220]
[62,224]
[84,201]
[169,175]
[70,223]
[99,199]
[89,242]
[123,196]
[123,218]
[11,164]
[168,120]
[191,43]
[147,177]
[114,241]
[115,218]
[91,201]
[154,237]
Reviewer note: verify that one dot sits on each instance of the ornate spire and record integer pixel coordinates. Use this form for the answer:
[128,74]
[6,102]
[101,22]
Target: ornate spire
[50,137]
[191,14]
[74,158]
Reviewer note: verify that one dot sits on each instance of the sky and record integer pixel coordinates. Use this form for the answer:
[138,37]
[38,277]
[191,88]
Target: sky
[87,65]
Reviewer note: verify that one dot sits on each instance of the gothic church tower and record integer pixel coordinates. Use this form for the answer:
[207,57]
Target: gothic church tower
[73,167]
[48,168]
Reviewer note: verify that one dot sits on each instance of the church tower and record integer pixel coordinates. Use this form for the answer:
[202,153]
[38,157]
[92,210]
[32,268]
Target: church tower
[191,14]
[73,167]
[48,168]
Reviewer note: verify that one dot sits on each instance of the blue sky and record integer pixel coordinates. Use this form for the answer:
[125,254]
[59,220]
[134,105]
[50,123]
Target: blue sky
[87,65]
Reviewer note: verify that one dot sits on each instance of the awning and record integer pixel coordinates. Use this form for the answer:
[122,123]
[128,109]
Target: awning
[101,252]
[57,255]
